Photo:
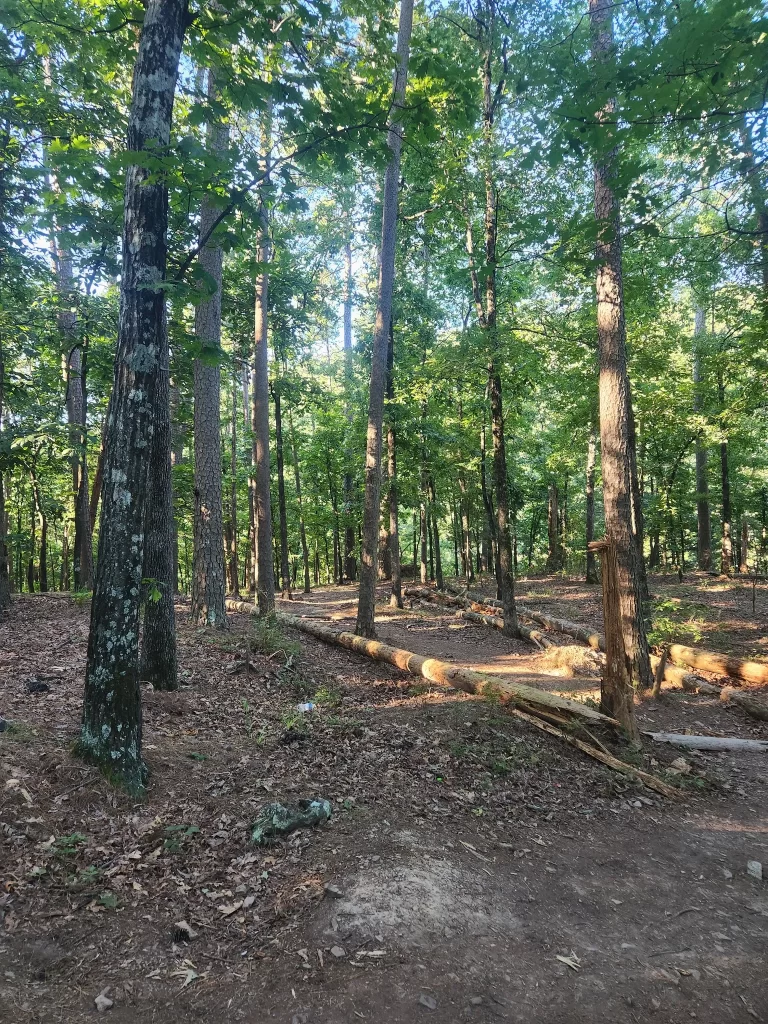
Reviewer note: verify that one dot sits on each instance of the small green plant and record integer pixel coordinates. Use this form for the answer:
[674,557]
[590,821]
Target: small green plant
[267,638]
[676,621]
[177,835]
[68,846]
[82,597]
[88,876]
[247,716]
[109,900]
[295,720]
[327,696]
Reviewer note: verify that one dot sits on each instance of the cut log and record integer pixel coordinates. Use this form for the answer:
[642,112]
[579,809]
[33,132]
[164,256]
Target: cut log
[241,606]
[708,742]
[475,612]
[601,754]
[445,674]
[720,664]
[749,705]
[524,702]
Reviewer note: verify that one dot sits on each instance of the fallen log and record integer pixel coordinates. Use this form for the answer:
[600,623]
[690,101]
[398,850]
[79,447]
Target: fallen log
[720,664]
[241,606]
[749,705]
[444,674]
[708,742]
[522,701]
[498,623]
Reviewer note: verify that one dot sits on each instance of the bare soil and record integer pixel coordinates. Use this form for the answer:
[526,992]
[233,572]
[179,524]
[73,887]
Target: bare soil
[480,870]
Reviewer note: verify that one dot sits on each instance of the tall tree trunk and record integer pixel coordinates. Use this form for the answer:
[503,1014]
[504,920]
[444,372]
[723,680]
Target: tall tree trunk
[436,536]
[396,594]
[555,548]
[5,576]
[703,519]
[338,570]
[265,578]
[743,552]
[158,649]
[111,727]
[208,578]
[371,507]
[299,502]
[98,478]
[37,498]
[424,568]
[233,567]
[465,531]
[726,541]
[592,576]
[350,562]
[616,433]
[285,569]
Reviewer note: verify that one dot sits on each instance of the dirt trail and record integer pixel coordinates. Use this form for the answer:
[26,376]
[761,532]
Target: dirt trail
[481,871]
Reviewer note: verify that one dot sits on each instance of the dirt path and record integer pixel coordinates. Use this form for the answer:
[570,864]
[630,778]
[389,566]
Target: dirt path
[466,853]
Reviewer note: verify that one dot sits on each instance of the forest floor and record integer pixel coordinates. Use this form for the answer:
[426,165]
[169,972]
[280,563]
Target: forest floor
[479,870]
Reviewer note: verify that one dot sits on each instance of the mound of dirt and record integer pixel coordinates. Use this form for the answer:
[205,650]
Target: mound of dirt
[572,660]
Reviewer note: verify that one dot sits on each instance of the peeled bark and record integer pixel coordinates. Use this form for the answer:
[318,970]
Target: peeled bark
[111,727]
[265,579]
[158,649]
[371,506]
[703,520]
[616,433]
[208,548]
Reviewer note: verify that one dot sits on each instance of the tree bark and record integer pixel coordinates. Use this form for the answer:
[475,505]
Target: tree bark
[616,433]
[158,649]
[743,553]
[555,547]
[111,726]
[299,502]
[435,534]
[233,567]
[265,579]
[208,578]
[592,575]
[371,505]
[396,595]
[285,569]
[5,577]
[726,541]
[703,519]
[350,562]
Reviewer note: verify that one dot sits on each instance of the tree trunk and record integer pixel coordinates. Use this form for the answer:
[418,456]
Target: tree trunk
[435,534]
[158,649]
[285,569]
[743,553]
[208,577]
[233,567]
[592,576]
[265,587]
[368,566]
[111,727]
[505,577]
[350,562]
[703,519]
[396,595]
[616,434]
[5,577]
[98,478]
[726,542]
[302,527]
[465,531]
[555,548]
[424,567]
[42,573]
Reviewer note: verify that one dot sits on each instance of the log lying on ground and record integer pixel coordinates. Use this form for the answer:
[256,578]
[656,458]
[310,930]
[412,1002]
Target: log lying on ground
[498,623]
[445,674]
[749,705]
[708,742]
[720,664]
[537,707]
[241,606]
[475,612]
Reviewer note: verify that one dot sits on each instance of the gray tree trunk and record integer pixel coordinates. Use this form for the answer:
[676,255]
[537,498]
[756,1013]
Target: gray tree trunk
[262,500]
[350,561]
[285,569]
[592,576]
[371,507]
[302,526]
[158,650]
[233,567]
[111,726]
[208,580]
[616,434]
